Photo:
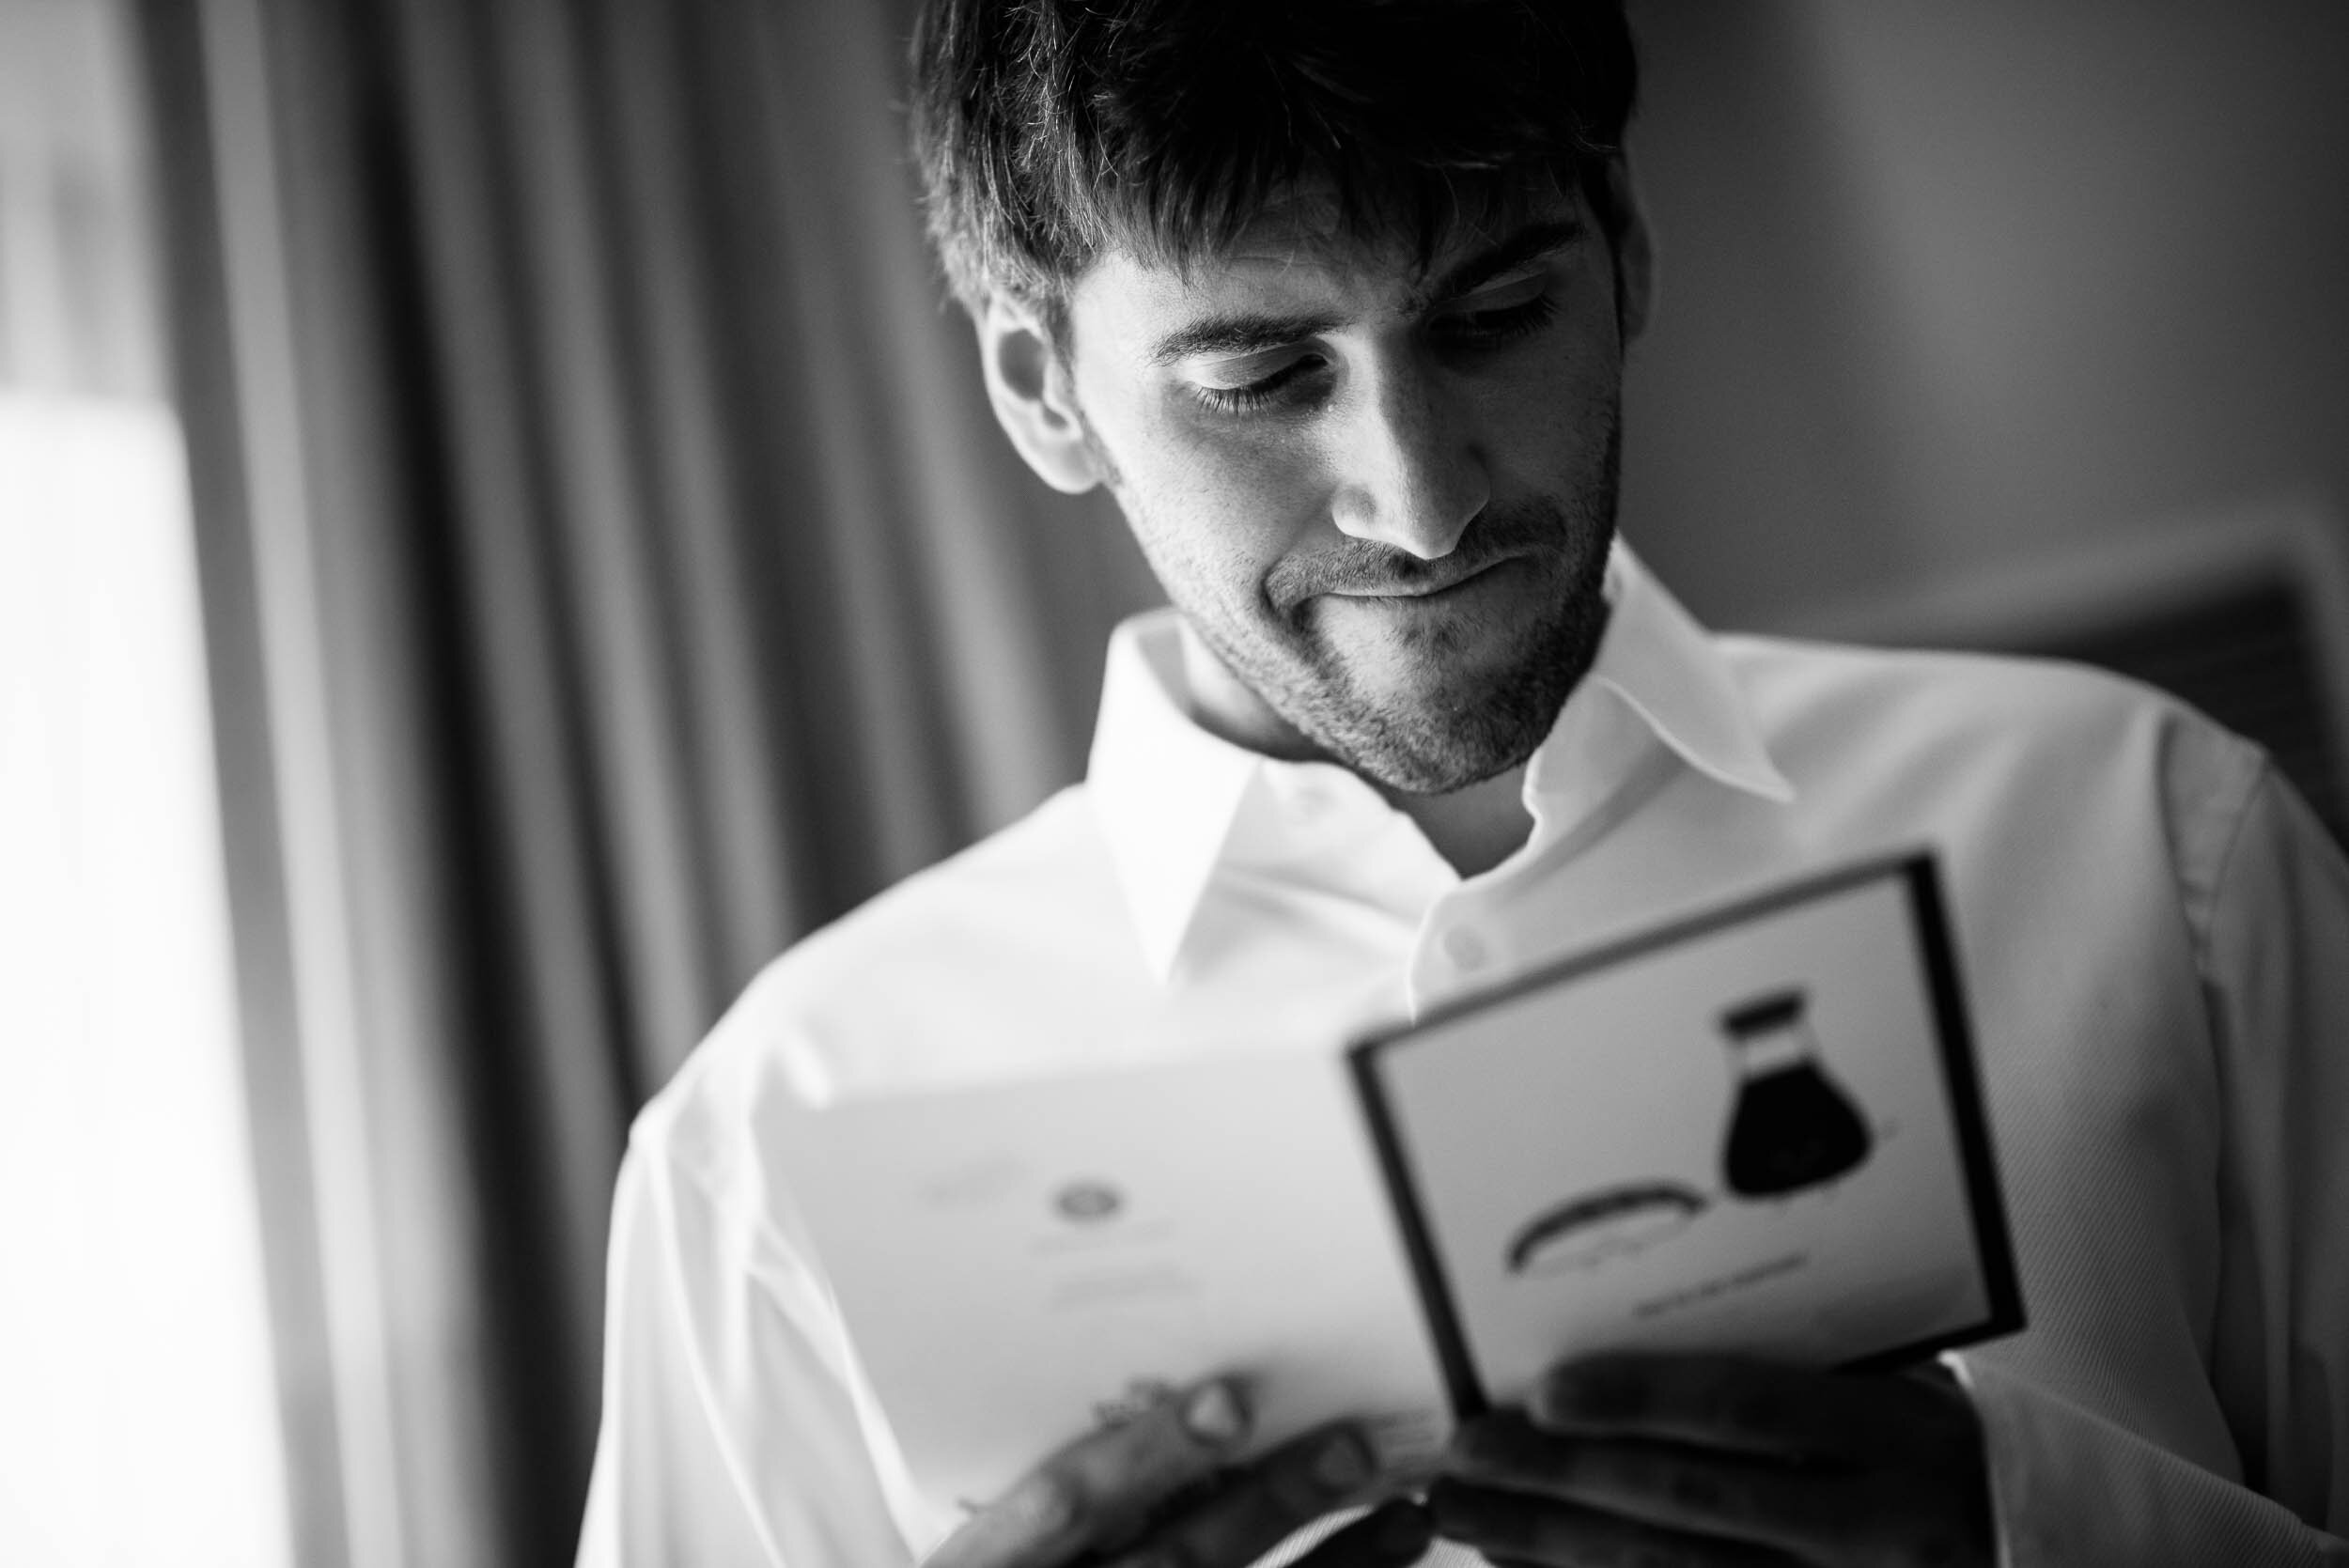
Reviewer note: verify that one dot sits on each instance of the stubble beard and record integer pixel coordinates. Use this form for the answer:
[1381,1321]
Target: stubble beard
[1479,730]
[1462,733]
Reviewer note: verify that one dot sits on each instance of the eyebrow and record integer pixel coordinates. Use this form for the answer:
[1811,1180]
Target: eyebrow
[1237,333]
[1530,243]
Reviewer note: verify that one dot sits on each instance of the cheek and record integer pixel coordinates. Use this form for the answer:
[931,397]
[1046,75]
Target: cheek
[1221,508]
[1555,418]
[1255,503]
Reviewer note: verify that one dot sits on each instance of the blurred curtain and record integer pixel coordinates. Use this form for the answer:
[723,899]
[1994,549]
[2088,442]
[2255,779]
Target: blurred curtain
[613,572]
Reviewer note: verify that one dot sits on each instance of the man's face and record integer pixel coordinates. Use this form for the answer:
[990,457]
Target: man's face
[1381,493]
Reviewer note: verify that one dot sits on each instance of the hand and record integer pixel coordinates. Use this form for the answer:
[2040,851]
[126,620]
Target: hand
[1156,1493]
[1662,1461]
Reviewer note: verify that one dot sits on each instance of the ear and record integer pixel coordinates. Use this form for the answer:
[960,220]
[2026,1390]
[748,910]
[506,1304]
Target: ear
[1635,252]
[1032,397]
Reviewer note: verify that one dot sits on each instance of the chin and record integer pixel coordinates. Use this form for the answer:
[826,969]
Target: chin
[1430,759]
[1432,743]
[1437,738]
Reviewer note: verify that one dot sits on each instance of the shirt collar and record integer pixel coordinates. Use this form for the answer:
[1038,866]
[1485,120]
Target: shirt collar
[1167,792]
[1665,669]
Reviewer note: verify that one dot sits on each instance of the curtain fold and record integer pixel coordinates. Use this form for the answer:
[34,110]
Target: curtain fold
[673,592]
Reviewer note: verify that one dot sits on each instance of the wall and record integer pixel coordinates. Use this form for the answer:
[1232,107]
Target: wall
[1945,288]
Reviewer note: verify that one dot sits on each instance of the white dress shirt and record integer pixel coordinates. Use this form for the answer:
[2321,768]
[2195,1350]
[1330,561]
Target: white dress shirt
[2155,939]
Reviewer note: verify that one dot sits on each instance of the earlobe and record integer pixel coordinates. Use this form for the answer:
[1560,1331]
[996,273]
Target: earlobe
[1032,401]
[1634,254]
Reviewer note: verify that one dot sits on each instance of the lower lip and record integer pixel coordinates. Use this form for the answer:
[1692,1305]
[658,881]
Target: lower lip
[1484,577]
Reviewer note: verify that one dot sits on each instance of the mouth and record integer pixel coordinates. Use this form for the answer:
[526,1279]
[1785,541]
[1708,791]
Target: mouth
[1433,587]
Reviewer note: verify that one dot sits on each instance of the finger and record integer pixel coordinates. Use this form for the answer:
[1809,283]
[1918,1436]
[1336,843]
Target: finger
[1389,1536]
[1254,1509]
[1515,1527]
[1095,1492]
[1670,1486]
[1727,1402]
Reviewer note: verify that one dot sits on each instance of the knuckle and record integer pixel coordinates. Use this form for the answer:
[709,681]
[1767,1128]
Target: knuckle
[1287,1491]
[1141,1465]
[1267,1508]
[1242,1520]
[1334,1464]
[1170,1446]
[1047,1503]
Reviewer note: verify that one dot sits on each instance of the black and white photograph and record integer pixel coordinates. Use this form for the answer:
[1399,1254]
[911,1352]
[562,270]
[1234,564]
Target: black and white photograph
[1173,784]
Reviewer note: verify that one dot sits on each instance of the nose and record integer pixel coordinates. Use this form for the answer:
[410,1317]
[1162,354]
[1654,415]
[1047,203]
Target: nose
[1410,473]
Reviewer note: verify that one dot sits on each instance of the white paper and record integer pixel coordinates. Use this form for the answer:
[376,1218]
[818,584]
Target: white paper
[1020,1263]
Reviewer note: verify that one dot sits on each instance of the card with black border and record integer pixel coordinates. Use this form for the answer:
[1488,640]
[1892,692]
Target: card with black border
[1757,1129]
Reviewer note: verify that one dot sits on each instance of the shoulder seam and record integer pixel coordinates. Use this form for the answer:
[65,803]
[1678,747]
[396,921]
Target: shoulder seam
[2200,919]
[696,1170]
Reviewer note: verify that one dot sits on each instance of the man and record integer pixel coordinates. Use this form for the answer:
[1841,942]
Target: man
[1335,299]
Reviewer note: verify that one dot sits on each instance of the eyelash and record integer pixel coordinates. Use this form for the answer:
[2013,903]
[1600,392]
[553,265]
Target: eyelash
[1487,329]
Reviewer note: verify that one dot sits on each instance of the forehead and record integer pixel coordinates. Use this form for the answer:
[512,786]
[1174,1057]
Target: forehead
[1301,250]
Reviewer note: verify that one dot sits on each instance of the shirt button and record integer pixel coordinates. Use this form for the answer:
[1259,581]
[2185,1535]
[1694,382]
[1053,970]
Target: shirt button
[1466,948]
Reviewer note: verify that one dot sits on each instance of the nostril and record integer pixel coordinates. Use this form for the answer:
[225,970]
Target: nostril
[1428,530]
[1351,511]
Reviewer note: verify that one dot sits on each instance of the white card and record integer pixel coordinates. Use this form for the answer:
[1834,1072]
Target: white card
[1020,1263]
[1757,1130]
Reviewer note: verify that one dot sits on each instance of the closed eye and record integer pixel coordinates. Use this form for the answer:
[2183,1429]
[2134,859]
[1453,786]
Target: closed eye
[1256,394]
[1526,307]
[1500,325]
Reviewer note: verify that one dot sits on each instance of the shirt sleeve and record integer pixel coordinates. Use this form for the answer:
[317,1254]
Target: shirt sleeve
[729,1433]
[2072,1487]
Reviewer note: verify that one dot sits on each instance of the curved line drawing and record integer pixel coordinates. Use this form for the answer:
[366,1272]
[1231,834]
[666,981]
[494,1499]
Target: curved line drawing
[1593,1226]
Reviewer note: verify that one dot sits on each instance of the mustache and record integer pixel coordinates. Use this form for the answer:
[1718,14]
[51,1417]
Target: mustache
[1533,526]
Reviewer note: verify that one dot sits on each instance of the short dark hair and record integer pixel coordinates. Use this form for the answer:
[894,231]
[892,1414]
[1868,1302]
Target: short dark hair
[1048,132]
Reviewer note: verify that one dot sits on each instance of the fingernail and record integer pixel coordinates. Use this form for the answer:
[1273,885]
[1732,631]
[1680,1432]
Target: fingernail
[1342,1463]
[1214,1415]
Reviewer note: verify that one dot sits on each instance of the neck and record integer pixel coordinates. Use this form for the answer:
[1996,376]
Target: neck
[1474,828]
